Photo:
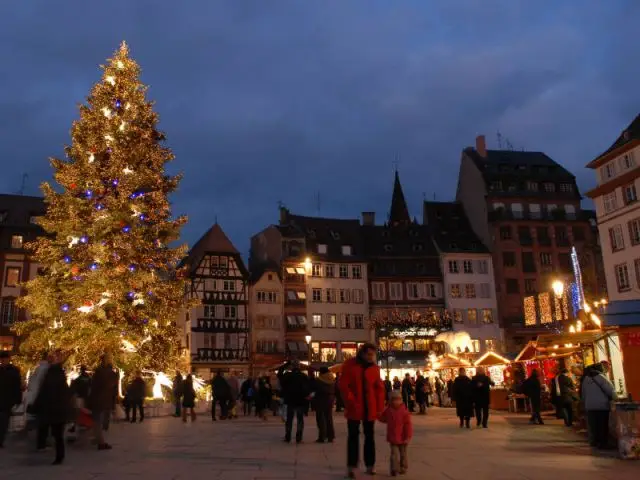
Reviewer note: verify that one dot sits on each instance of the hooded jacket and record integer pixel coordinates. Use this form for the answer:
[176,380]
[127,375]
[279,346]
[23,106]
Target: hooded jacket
[597,391]
[325,390]
[362,390]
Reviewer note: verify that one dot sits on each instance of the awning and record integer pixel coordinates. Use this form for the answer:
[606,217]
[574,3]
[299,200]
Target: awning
[491,358]
[550,340]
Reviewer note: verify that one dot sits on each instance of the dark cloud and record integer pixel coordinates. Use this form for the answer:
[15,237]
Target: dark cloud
[281,101]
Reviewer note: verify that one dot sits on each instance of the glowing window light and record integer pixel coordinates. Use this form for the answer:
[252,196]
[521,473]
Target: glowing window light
[545,308]
[557,308]
[530,317]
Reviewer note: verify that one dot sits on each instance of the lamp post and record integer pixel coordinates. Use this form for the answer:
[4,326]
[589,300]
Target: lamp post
[307,338]
[558,288]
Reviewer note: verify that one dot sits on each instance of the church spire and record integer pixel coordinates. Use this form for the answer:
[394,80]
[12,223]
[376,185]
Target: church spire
[399,214]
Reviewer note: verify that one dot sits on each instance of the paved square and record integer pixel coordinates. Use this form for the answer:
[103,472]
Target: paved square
[165,448]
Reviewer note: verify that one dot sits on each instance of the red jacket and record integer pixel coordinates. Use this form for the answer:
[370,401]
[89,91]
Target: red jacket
[358,383]
[399,427]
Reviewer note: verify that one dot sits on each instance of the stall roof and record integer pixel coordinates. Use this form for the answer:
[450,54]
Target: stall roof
[621,313]
[549,340]
[449,360]
[527,353]
[491,358]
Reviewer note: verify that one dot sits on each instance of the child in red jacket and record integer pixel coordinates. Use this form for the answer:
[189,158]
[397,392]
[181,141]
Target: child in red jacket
[399,432]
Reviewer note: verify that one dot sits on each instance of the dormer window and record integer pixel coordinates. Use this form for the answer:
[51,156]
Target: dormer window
[322,248]
[532,186]
[335,235]
[388,247]
[627,161]
[566,187]
[417,247]
[347,250]
[414,233]
[311,233]
[549,187]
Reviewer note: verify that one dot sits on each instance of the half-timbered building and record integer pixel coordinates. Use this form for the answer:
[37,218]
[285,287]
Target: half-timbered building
[217,330]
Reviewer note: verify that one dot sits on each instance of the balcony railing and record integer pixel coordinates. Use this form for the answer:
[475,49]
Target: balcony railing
[557,215]
[223,297]
[220,355]
[225,325]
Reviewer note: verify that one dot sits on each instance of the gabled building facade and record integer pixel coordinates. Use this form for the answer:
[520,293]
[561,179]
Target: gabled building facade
[18,226]
[618,212]
[467,266]
[266,314]
[217,331]
[526,209]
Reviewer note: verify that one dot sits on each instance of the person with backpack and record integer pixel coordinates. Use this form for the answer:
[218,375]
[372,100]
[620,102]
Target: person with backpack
[597,395]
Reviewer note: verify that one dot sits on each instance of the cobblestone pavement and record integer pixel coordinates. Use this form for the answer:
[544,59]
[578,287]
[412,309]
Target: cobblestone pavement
[165,448]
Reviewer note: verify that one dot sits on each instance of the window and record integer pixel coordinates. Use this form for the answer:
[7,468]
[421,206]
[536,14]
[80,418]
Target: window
[430,290]
[516,209]
[530,286]
[546,259]
[512,285]
[634,231]
[293,295]
[322,248]
[3,216]
[343,271]
[627,161]
[532,186]
[485,290]
[230,311]
[561,235]
[395,291]
[358,322]
[457,316]
[345,295]
[549,187]
[505,233]
[267,346]
[347,250]
[357,295]
[622,277]
[223,262]
[316,270]
[487,315]
[267,297]
[229,285]
[454,290]
[524,235]
[16,241]
[335,235]
[413,291]
[636,264]
[331,295]
[534,210]
[467,266]
[630,195]
[472,316]
[509,259]
[617,240]
[331,320]
[578,234]
[8,311]
[12,277]
[496,185]
[316,295]
[378,291]
[483,266]
[329,270]
[566,187]
[453,266]
[609,202]
[470,290]
[316,318]
[388,247]
[345,320]
[356,271]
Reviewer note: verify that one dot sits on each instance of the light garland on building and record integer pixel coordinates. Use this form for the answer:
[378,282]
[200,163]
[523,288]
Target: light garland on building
[530,316]
[545,308]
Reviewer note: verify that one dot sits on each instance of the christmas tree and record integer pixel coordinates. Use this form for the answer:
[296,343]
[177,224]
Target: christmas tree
[109,280]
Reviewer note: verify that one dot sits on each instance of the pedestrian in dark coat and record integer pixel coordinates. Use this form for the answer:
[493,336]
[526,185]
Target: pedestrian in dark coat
[407,391]
[264,395]
[462,394]
[567,395]
[188,399]
[247,394]
[388,388]
[296,389]
[178,385]
[533,390]
[421,394]
[102,399]
[482,396]
[324,390]
[10,392]
[53,407]
[81,386]
[136,393]
[221,396]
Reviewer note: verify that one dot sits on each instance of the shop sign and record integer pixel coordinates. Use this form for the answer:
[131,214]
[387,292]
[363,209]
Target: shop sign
[418,332]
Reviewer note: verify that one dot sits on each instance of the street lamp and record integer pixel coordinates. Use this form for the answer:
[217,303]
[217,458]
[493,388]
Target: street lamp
[307,338]
[558,288]
[307,264]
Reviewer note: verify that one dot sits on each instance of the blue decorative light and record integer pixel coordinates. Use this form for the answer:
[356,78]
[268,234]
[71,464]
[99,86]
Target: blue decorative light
[132,268]
[130,295]
[99,206]
[145,321]
[84,239]
[576,303]
[118,103]
[88,193]
[143,217]
[150,293]
[126,229]
[137,194]
[67,259]
[64,307]
[94,266]
[77,278]
[114,182]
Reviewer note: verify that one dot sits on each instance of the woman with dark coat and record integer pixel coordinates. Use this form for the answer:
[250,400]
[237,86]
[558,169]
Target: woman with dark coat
[135,394]
[53,407]
[188,399]
[463,396]
[264,397]
[533,390]
[325,395]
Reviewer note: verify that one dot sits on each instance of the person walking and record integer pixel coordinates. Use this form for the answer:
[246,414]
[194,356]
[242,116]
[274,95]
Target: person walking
[10,392]
[102,399]
[462,394]
[388,388]
[533,390]
[567,395]
[482,396]
[178,385]
[296,390]
[247,394]
[53,406]
[449,391]
[325,395]
[221,396]
[135,394]
[399,433]
[440,391]
[407,390]
[189,399]
[80,388]
[364,394]
[234,394]
[421,394]
[597,395]
[264,395]
[33,388]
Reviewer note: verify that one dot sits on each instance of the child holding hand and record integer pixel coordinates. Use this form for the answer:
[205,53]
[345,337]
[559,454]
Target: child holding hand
[399,432]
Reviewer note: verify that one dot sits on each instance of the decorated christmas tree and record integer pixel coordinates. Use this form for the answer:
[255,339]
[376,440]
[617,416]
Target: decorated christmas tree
[109,278]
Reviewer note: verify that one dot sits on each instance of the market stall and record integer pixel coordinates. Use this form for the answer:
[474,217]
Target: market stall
[495,366]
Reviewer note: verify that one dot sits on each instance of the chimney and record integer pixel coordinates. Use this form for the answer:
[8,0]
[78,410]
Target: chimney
[481,146]
[368,219]
[284,215]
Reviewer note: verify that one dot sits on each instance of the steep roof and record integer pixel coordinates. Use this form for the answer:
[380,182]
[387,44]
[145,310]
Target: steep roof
[399,213]
[17,210]
[629,135]
[451,229]
[213,241]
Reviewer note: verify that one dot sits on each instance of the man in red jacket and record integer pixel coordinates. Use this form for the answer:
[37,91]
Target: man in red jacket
[363,394]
